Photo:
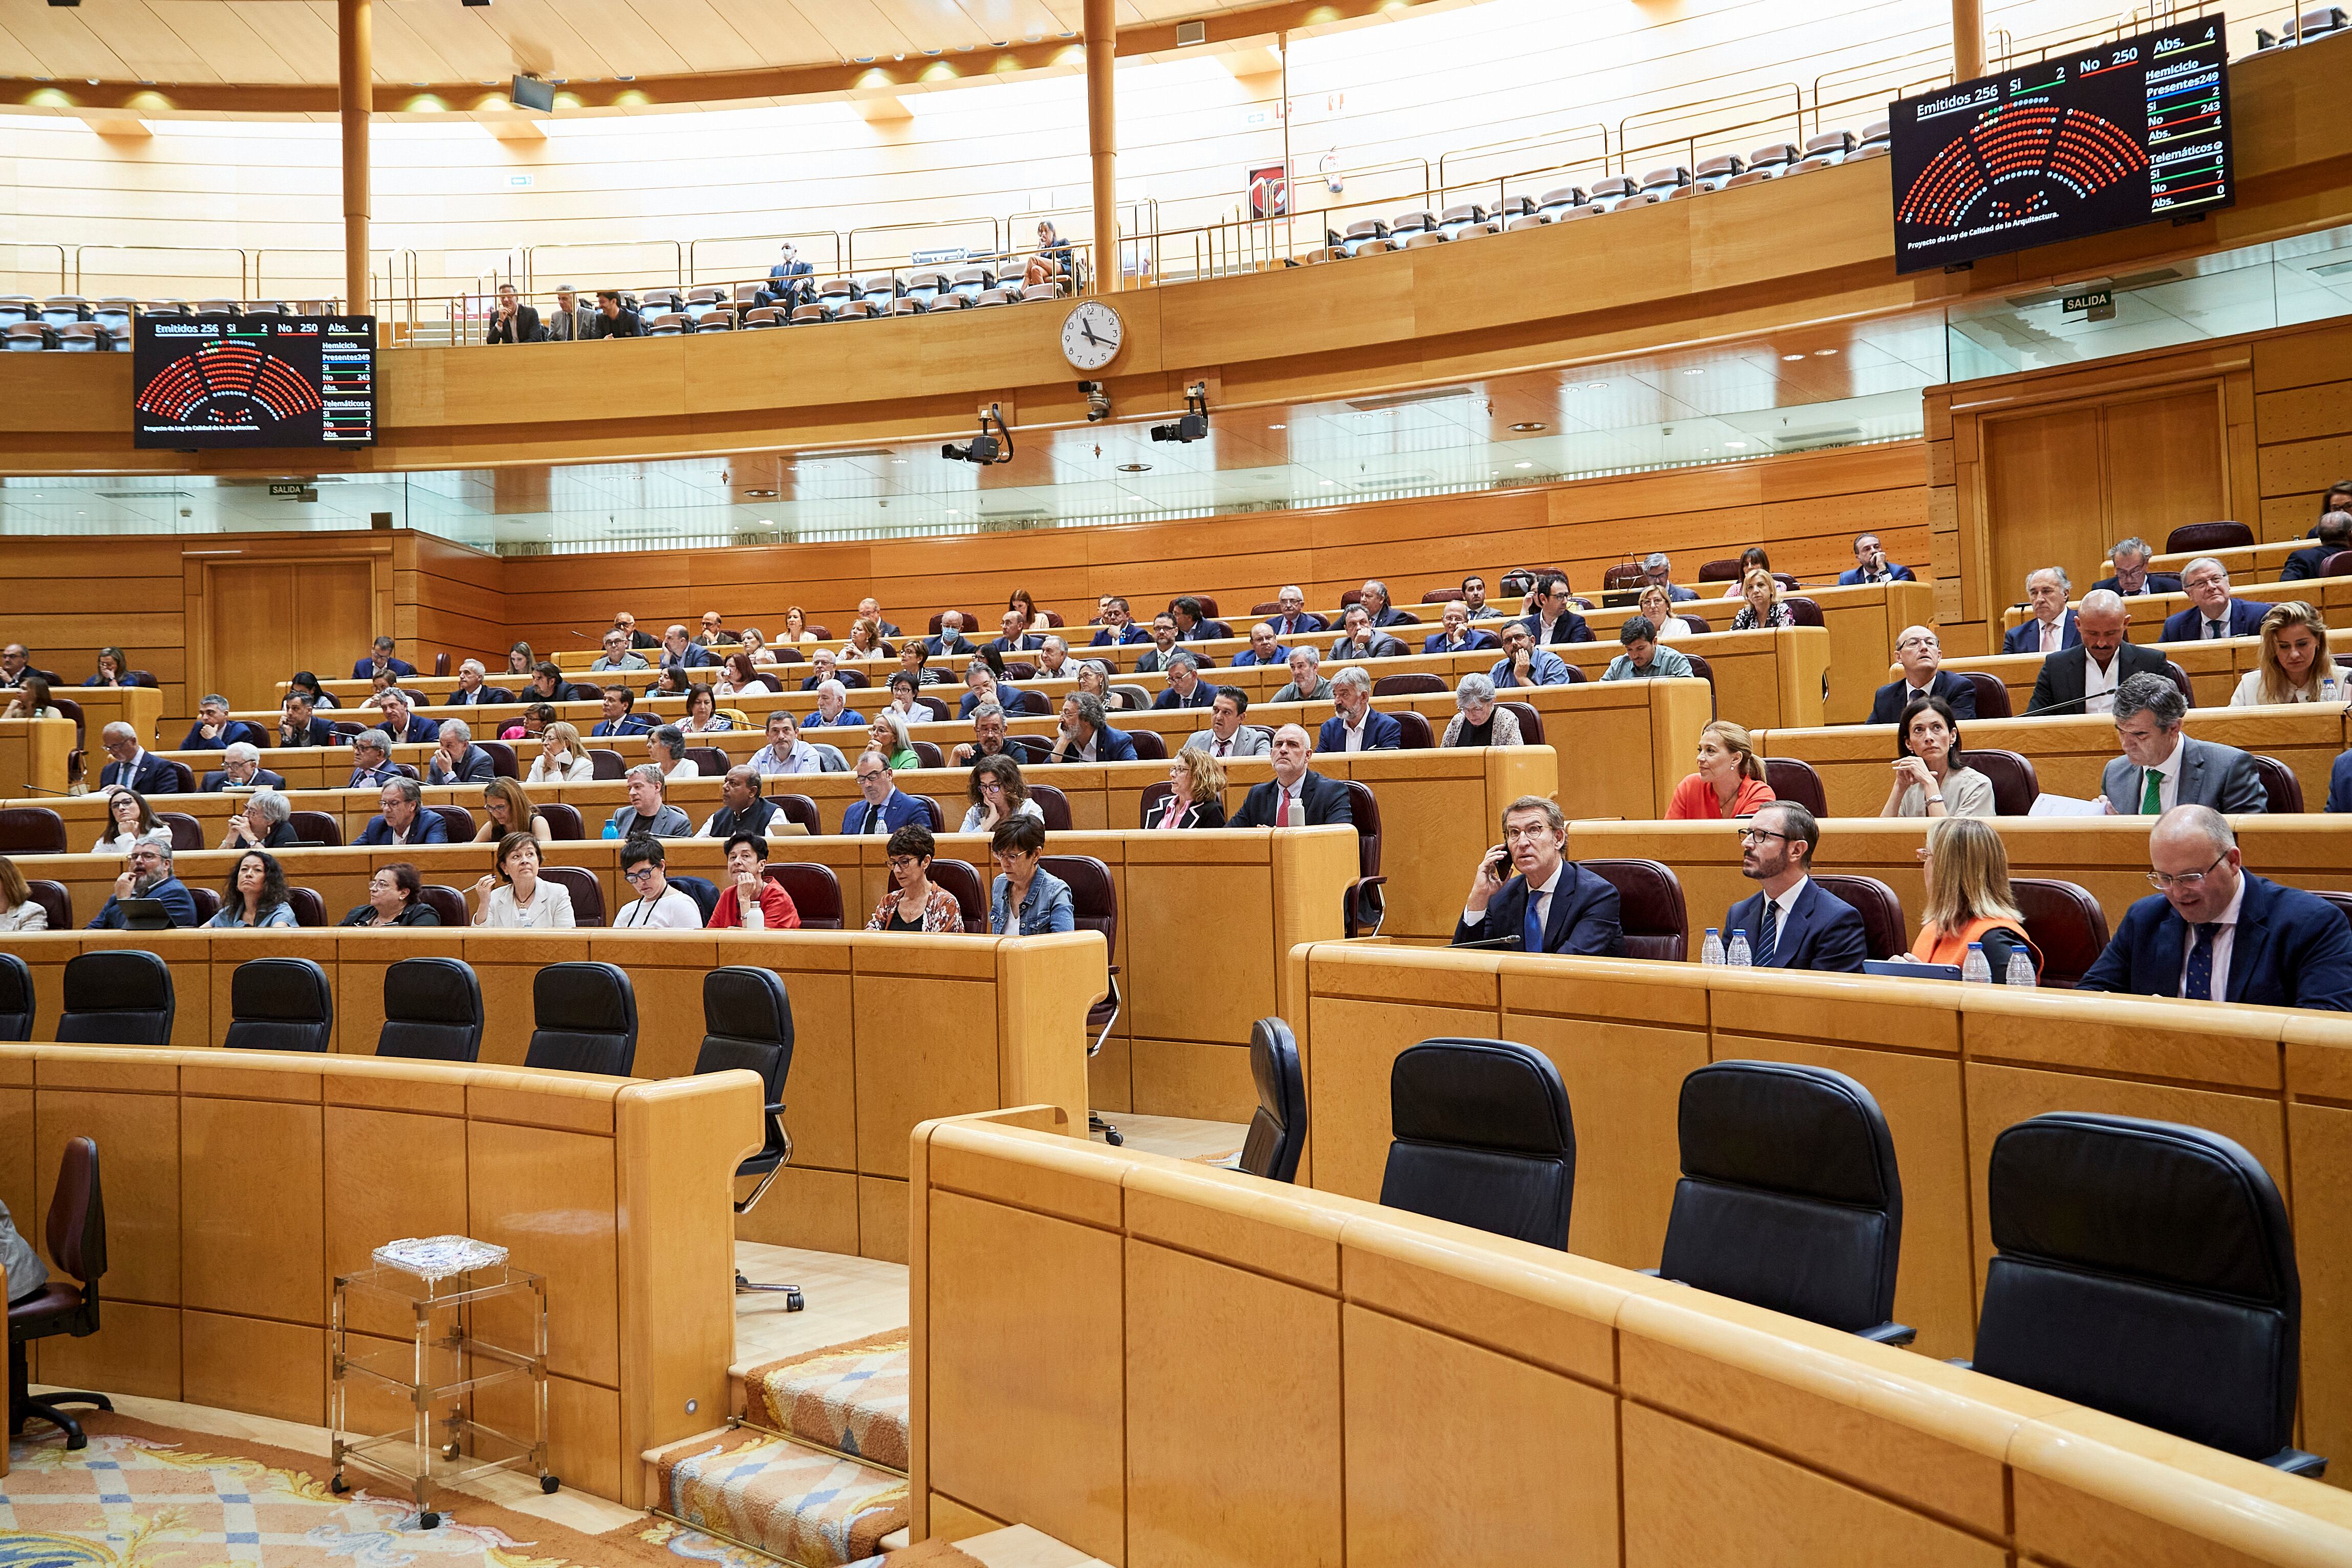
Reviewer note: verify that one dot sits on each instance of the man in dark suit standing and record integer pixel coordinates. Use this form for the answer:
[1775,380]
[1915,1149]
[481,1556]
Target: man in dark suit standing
[1921,655]
[298,727]
[134,767]
[2218,933]
[512,322]
[1552,904]
[2335,533]
[1792,923]
[2212,615]
[1871,565]
[380,660]
[1551,616]
[1299,797]
[2053,628]
[2083,679]
[2132,576]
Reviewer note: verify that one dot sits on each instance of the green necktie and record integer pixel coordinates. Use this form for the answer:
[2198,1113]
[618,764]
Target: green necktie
[2151,801]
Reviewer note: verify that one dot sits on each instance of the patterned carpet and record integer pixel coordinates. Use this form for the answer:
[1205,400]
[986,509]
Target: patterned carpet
[143,1495]
[851,1397]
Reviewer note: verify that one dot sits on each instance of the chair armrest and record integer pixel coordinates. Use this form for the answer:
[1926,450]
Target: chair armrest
[776,1110]
[1890,1333]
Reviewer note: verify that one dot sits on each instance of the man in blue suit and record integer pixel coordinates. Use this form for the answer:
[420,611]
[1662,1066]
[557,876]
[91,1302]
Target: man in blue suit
[680,649]
[620,718]
[297,726]
[401,720]
[1118,627]
[1264,648]
[1086,736]
[149,876]
[1792,923]
[215,731]
[134,768]
[884,809]
[381,660]
[2212,613]
[1921,655]
[2052,629]
[781,288]
[2218,933]
[1185,687]
[1551,616]
[2339,784]
[1553,904]
[1457,635]
[1374,596]
[1291,618]
[402,819]
[950,638]
[1357,726]
[1871,565]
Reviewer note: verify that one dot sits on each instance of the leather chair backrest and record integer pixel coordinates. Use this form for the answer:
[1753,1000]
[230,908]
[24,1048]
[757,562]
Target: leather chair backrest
[1278,1130]
[2338,564]
[2015,786]
[1434,596]
[584,1017]
[2279,782]
[2146,1269]
[2207,537]
[587,893]
[1793,779]
[280,1004]
[187,775]
[710,759]
[701,889]
[1482,1137]
[1625,576]
[1150,745]
[319,828]
[1698,627]
[960,878]
[798,809]
[1055,805]
[2066,922]
[1789,1197]
[77,1218]
[1094,897]
[2181,680]
[446,902]
[1704,671]
[207,902]
[564,823]
[308,908]
[1881,911]
[1531,730]
[459,819]
[1407,685]
[31,830]
[1135,699]
[1365,808]
[502,759]
[814,891]
[58,899]
[1992,696]
[1416,734]
[1650,907]
[1802,610]
[747,1016]
[432,1011]
[440,664]
[938,708]
[1155,802]
[606,766]
[187,833]
[16,997]
[117,996]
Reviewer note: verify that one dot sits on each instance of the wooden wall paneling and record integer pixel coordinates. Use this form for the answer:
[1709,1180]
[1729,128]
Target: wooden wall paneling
[35,754]
[2038,512]
[2165,460]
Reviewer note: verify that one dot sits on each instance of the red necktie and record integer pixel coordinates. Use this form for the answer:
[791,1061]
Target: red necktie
[1284,819]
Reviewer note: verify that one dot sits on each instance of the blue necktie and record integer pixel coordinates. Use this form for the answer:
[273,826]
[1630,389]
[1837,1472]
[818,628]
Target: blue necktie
[2199,984]
[1531,931]
[1769,937]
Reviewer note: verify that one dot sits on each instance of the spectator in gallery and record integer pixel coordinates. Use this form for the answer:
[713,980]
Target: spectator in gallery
[750,900]
[1196,792]
[213,729]
[381,660]
[997,791]
[1481,720]
[2294,665]
[914,902]
[511,321]
[1052,260]
[2052,628]
[833,709]
[1643,659]
[2333,534]
[114,670]
[1524,664]
[620,715]
[1307,684]
[570,322]
[1871,565]
[870,609]
[402,819]
[1227,735]
[1729,781]
[371,762]
[148,875]
[1764,610]
[649,810]
[307,683]
[1025,900]
[612,319]
[297,726]
[241,768]
[618,655]
[783,288]
[507,810]
[1658,573]
[515,897]
[129,821]
[2130,558]
[457,759]
[135,766]
[563,758]
[255,895]
[392,900]
[1931,779]
[1455,634]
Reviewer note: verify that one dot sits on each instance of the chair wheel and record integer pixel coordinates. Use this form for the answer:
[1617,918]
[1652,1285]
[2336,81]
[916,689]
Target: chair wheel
[549,1483]
[428,1520]
[1113,1137]
[794,1300]
[338,1485]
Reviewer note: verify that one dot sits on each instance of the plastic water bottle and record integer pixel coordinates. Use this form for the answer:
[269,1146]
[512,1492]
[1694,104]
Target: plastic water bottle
[2330,689]
[1711,951]
[2021,969]
[1974,970]
[1739,958]
[612,829]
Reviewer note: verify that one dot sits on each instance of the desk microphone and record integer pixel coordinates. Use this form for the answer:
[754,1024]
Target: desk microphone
[36,789]
[1506,943]
[2056,707]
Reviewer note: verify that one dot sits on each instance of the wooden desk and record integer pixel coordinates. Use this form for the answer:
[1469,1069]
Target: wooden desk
[140,708]
[33,755]
[1091,1326]
[238,1183]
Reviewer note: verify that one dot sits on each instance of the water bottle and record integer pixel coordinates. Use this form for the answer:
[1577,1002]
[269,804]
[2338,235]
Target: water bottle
[2020,970]
[1974,970]
[2330,690]
[1739,958]
[1711,951]
[612,829]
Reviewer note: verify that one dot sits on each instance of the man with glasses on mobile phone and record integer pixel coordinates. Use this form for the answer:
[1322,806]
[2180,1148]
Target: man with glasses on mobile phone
[1552,904]
[2215,932]
[1792,923]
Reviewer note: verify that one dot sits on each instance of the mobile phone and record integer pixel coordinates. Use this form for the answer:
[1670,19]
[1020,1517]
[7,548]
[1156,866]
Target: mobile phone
[1498,865]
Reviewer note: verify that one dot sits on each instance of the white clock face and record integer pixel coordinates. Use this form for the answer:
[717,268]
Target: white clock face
[1091,336]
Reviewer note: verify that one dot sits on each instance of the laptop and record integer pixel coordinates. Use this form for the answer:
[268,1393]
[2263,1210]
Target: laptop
[144,915]
[1620,598]
[1910,969]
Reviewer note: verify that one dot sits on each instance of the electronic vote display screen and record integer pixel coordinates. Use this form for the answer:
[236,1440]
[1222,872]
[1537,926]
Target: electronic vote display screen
[253,382]
[2076,144]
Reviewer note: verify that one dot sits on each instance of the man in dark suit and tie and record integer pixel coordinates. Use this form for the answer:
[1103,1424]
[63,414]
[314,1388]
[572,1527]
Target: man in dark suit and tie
[1792,923]
[884,809]
[471,690]
[1185,687]
[401,720]
[2083,679]
[2161,768]
[2333,533]
[2218,933]
[134,767]
[1291,619]
[2053,628]
[299,727]
[619,717]
[402,819]
[241,768]
[1263,649]
[1015,638]
[2132,576]
[215,731]
[781,289]
[1921,655]
[1299,797]
[950,639]
[2212,615]
[1193,622]
[1456,636]
[1357,726]
[1374,597]
[1871,565]
[1551,616]
[1552,904]
[1118,627]
[380,660]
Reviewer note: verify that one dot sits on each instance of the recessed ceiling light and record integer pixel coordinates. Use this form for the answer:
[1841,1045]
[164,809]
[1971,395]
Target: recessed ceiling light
[899,462]
[1823,353]
[1597,386]
[1135,467]
[762,494]
[1277,427]
[1326,483]
[1526,425]
[1522,465]
[1792,358]
[1693,372]
[1736,445]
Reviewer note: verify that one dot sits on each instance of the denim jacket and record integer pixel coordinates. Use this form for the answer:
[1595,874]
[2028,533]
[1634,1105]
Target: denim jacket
[1048,907]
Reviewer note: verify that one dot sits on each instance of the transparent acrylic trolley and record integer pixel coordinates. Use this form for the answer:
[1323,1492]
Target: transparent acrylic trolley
[473,1332]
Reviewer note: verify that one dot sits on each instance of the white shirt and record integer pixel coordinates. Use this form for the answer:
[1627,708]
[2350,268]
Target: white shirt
[799,757]
[2223,940]
[673,911]
[549,909]
[688,768]
[2250,690]
[2099,685]
[1352,735]
[1542,896]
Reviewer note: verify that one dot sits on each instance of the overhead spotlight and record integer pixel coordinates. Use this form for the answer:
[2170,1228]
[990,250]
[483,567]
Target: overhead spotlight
[1097,400]
[1194,424]
[530,92]
[984,448]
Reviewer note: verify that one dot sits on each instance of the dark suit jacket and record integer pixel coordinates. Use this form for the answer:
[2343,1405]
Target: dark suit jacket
[1205,630]
[897,812]
[232,732]
[155,776]
[1568,628]
[1199,814]
[421,731]
[475,768]
[262,779]
[430,829]
[1203,694]
[1582,919]
[365,669]
[483,695]
[2245,621]
[2157,582]
[1392,616]
[1823,931]
[2027,639]
[2059,688]
[1248,656]
[1027,643]
[1852,576]
[1303,623]
[414,915]
[2305,563]
[320,733]
[1116,744]
[1887,706]
[1377,646]
[627,723]
[1326,800]
[2291,950]
[171,893]
[941,646]
[523,329]
[1381,733]
[2339,784]
[628,324]
[1128,633]
[1473,639]
[694,658]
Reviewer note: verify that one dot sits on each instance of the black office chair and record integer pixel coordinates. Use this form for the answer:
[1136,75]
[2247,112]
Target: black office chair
[1793,779]
[1364,904]
[1278,1131]
[16,997]
[701,889]
[748,1019]
[1650,909]
[1789,1197]
[280,1004]
[1881,911]
[798,809]
[2146,1269]
[584,1019]
[1483,1137]
[1094,906]
[432,1011]
[116,997]
[76,1239]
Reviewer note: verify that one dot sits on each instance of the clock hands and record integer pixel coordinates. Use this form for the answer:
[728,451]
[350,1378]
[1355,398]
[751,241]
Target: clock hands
[1089,331]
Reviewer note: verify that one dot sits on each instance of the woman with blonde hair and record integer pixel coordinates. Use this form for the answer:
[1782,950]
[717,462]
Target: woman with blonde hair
[19,910]
[562,759]
[1729,781]
[1196,792]
[1657,607]
[755,647]
[886,732]
[1764,610]
[1966,868]
[796,626]
[2295,667]
[866,642]
[508,810]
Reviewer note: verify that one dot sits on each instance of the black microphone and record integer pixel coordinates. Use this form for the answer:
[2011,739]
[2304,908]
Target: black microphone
[1508,943]
[2055,707]
[36,789]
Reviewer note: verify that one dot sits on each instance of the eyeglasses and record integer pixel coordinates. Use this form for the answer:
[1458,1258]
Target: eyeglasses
[2188,881]
[642,873]
[1751,835]
[870,777]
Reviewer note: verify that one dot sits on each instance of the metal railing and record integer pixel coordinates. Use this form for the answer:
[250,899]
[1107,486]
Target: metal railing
[1688,143]
[996,243]
[1446,187]
[800,241]
[243,262]
[45,245]
[528,274]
